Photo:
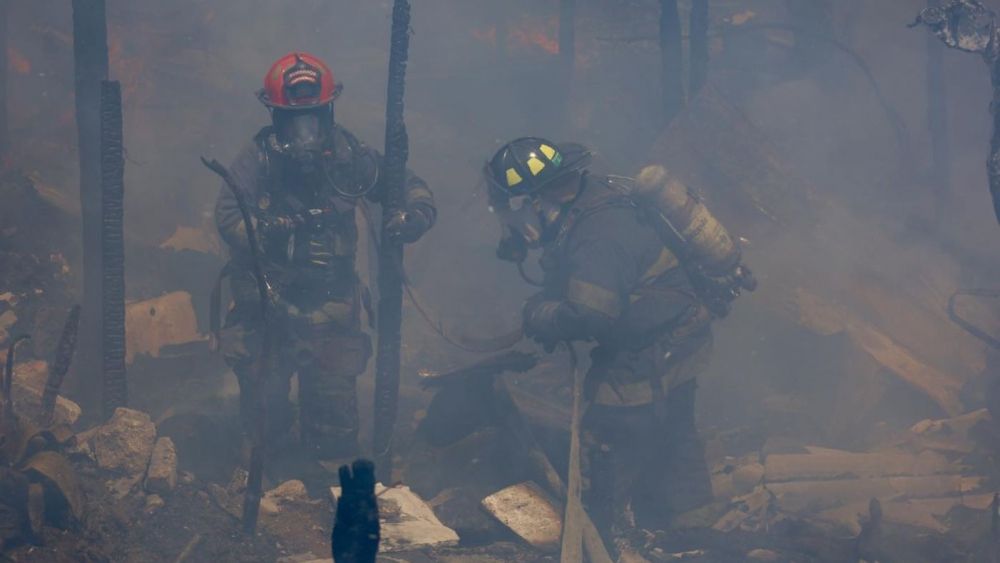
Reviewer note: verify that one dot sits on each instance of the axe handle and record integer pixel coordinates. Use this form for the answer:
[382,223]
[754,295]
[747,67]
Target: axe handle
[514,420]
[572,532]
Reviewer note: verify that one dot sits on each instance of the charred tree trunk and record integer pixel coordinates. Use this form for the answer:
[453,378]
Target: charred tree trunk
[937,121]
[4,120]
[699,46]
[671,51]
[115,388]
[390,275]
[993,165]
[90,54]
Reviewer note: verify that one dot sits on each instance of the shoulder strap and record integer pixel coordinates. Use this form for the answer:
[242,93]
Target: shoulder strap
[361,162]
[582,210]
[265,153]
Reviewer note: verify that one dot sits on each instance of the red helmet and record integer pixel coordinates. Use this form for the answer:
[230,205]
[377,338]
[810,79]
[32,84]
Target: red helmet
[299,81]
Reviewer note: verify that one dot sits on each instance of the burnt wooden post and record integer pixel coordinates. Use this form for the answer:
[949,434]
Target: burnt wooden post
[937,121]
[115,388]
[671,51]
[4,120]
[699,46]
[90,55]
[390,273]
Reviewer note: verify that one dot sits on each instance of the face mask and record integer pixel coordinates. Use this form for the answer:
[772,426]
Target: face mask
[547,212]
[301,136]
[517,217]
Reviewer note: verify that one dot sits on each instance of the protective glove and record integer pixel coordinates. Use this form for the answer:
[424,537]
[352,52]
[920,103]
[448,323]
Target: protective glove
[718,292]
[271,226]
[355,534]
[540,322]
[407,226]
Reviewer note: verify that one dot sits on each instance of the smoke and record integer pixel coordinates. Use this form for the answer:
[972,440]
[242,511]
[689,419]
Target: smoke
[484,72]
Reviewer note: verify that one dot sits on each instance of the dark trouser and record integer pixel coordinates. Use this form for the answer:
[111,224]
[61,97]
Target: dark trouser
[648,458]
[327,362]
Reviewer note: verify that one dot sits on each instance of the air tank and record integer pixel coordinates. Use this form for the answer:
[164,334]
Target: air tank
[707,245]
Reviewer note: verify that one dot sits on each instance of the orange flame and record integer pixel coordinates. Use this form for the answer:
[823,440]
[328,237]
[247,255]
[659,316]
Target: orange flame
[17,61]
[534,35]
[530,34]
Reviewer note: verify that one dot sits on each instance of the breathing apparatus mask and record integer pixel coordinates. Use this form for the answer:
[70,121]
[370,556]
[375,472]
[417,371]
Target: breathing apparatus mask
[302,135]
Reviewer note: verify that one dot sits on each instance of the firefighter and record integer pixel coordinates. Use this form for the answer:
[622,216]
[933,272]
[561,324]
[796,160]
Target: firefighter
[640,269]
[304,175]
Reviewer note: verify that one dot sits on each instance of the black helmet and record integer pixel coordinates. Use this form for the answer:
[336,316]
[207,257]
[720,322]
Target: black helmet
[524,166]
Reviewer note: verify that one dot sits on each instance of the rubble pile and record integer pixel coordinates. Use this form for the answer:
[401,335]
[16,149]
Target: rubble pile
[407,522]
[131,459]
[28,386]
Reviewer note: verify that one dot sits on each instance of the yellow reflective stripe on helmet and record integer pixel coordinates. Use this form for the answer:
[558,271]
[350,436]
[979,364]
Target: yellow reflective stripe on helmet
[535,165]
[593,296]
[548,151]
[665,262]
[513,178]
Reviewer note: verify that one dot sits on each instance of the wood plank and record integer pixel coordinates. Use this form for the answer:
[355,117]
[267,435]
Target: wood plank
[809,496]
[848,465]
